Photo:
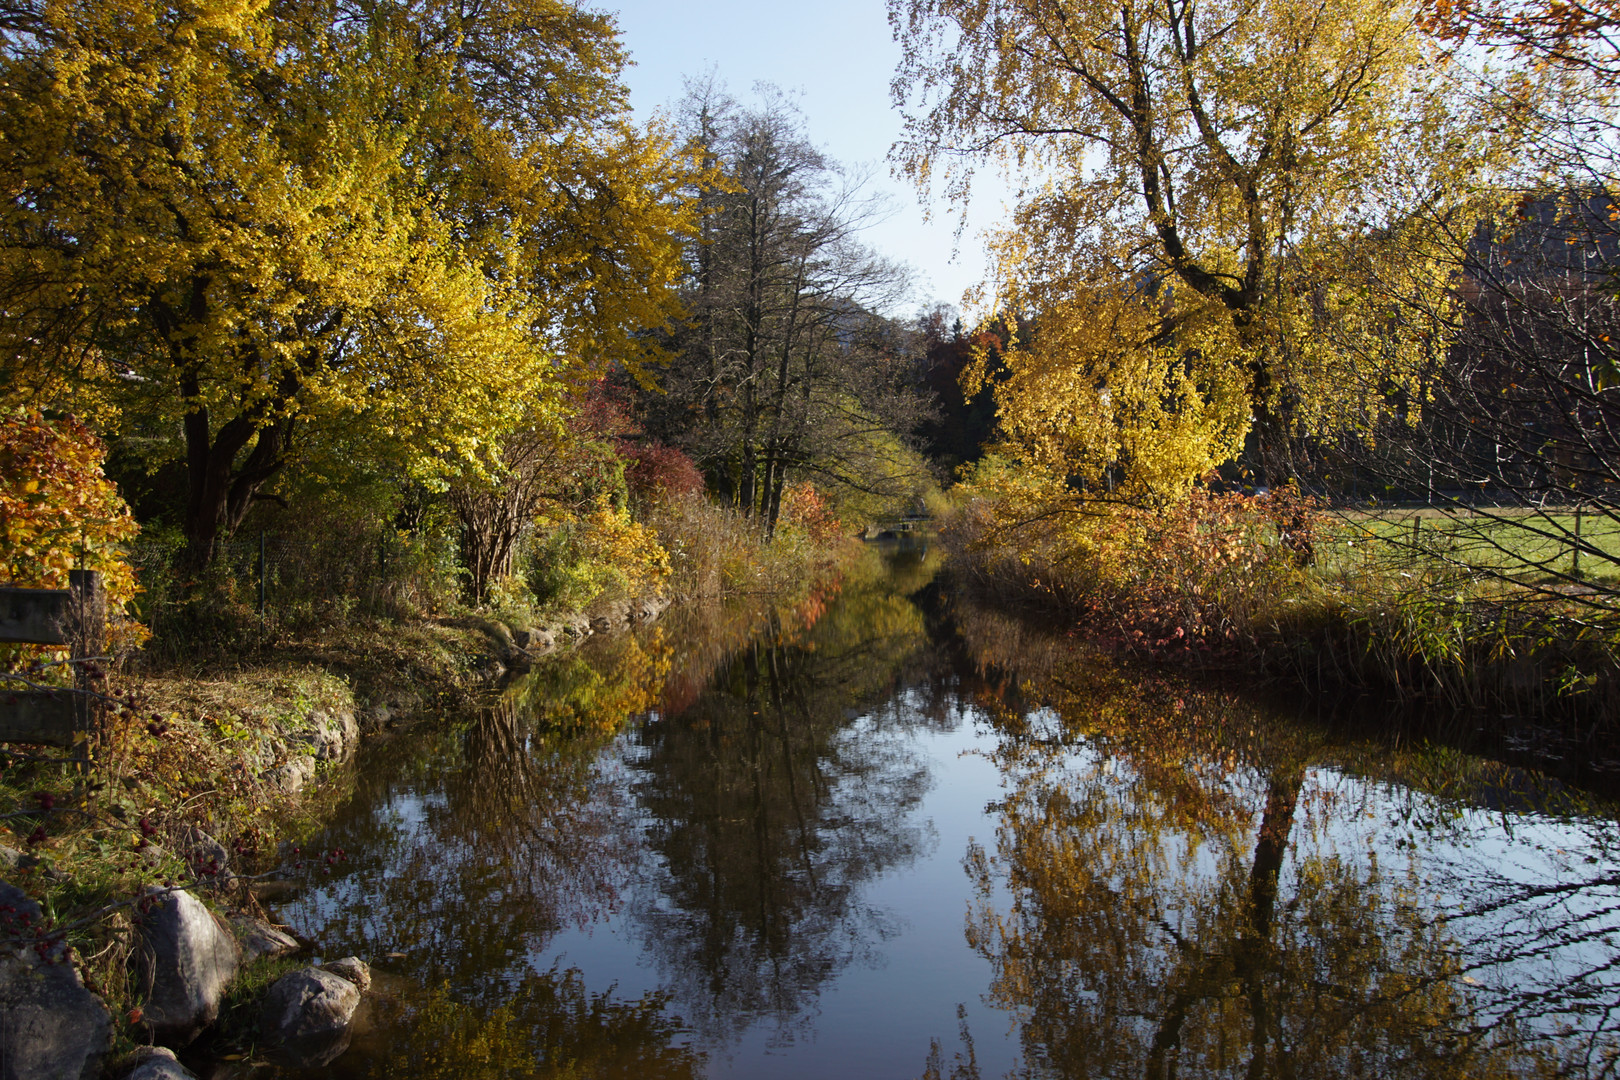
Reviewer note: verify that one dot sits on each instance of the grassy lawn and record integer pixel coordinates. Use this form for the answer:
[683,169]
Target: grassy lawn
[1531,546]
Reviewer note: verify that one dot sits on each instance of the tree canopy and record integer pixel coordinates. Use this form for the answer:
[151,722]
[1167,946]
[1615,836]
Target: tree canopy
[784,365]
[1201,181]
[247,220]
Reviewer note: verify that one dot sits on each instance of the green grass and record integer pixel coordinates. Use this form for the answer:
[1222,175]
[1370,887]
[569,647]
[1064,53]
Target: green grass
[1528,546]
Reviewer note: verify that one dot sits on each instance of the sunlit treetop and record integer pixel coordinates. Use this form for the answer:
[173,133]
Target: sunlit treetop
[248,218]
[1233,168]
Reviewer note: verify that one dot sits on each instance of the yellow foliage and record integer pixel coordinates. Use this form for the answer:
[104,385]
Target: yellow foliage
[629,546]
[1222,203]
[57,511]
[601,554]
[1094,398]
[432,217]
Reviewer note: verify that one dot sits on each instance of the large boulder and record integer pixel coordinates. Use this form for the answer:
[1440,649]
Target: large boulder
[293,776]
[51,1027]
[352,969]
[306,1016]
[331,736]
[183,962]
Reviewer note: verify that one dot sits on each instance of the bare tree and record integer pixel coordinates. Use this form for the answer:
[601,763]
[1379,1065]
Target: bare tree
[783,366]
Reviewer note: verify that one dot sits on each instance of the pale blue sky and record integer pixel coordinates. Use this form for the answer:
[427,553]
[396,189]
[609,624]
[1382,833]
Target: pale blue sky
[837,56]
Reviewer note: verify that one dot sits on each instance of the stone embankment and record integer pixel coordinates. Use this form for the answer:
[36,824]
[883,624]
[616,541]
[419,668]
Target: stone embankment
[184,957]
[514,648]
[182,954]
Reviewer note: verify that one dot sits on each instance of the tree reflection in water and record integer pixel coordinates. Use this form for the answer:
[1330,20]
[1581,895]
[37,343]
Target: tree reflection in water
[1179,883]
[776,795]
[755,817]
[1199,889]
[547,1027]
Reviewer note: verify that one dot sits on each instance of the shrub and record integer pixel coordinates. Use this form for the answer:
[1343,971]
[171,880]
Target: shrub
[716,552]
[59,512]
[581,560]
[655,473]
[1209,570]
[810,510]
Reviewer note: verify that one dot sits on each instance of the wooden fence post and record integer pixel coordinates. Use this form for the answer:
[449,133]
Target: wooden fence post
[89,614]
[1575,554]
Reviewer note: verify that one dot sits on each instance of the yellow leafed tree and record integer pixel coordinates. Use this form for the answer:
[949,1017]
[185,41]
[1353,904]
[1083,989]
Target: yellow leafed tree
[425,220]
[1205,180]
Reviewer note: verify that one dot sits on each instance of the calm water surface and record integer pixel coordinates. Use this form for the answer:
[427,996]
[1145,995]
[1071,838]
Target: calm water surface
[862,839]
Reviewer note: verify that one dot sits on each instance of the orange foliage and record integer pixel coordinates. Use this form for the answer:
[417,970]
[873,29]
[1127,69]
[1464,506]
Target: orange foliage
[58,512]
[1201,573]
[804,506]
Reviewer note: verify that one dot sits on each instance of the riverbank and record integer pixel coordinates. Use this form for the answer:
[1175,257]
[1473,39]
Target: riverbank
[214,770]
[1275,591]
[203,781]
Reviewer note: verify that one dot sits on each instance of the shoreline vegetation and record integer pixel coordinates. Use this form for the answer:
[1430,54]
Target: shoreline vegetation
[1278,590]
[228,731]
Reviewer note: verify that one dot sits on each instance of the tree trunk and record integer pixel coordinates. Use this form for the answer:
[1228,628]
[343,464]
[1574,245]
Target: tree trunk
[220,492]
[1270,848]
[773,509]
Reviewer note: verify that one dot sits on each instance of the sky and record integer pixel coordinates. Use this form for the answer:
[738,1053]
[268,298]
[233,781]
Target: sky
[836,57]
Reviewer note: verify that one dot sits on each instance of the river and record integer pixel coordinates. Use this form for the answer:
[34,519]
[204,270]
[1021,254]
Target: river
[873,837]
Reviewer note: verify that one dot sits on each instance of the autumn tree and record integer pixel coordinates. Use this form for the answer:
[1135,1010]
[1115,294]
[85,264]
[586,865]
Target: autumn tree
[1518,426]
[1195,172]
[784,365]
[963,424]
[242,222]
[1584,36]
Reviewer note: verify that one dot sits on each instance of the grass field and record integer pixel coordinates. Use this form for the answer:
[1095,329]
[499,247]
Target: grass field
[1535,547]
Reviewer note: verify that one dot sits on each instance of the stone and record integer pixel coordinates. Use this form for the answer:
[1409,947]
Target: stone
[351,968]
[183,962]
[306,1016]
[613,613]
[375,718]
[332,736]
[19,913]
[259,939]
[51,1027]
[293,776]
[499,636]
[158,1063]
[276,890]
[12,859]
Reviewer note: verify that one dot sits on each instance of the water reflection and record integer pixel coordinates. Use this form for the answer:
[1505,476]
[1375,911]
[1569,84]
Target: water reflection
[771,800]
[1202,889]
[509,837]
[736,847]
[548,1025]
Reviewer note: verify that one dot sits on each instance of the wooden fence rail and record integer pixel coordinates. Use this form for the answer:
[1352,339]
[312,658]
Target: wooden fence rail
[76,617]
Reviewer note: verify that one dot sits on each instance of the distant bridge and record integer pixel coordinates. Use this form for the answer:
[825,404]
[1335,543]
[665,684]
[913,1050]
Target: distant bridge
[898,528]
